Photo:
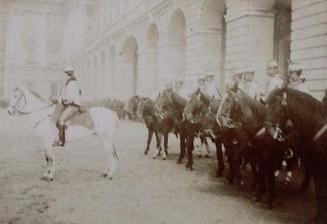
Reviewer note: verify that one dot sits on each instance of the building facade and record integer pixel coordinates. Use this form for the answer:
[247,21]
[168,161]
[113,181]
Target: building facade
[120,48]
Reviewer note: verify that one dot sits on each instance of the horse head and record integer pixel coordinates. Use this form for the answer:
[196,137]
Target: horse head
[195,106]
[230,99]
[163,104]
[276,116]
[18,101]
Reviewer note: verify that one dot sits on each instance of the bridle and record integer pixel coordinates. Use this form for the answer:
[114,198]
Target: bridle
[274,129]
[228,122]
[18,102]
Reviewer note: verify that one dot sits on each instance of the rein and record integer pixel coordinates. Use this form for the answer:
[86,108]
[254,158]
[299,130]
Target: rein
[33,111]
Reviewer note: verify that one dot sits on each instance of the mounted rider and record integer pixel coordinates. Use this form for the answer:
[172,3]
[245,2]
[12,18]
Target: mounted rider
[275,80]
[69,103]
[211,88]
[202,83]
[249,85]
[179,88]
[296,78]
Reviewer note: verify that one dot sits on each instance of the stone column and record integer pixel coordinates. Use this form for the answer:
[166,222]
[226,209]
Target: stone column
[250,35]
[163,57]
[308,45]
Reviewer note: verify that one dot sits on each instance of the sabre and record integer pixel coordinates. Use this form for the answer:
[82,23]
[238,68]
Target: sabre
[218,93]
[115,152]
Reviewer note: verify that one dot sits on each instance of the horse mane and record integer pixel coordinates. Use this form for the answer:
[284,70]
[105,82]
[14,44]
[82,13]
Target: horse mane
[179,99]
[303,99]
[254,104]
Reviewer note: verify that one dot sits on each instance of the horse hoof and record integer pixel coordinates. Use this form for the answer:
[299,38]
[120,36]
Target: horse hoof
[164,158]
[145,153]
[104,175]
[207,156]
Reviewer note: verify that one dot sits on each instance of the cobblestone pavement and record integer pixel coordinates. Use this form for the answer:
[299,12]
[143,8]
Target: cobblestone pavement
[143,191]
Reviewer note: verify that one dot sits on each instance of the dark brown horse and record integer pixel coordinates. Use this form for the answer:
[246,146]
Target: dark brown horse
[146,110]
[247,116]
[309,118]
[169,108]
[131,107]
[199,117]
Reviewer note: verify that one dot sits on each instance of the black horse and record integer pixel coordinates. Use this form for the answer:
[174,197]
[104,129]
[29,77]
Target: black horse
[247,117]
[169,107]
[131,107]
[199,117]
[309,118]
[146,110]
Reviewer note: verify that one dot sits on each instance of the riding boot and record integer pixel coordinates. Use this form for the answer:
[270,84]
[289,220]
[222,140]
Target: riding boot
[61,141]
[62,136]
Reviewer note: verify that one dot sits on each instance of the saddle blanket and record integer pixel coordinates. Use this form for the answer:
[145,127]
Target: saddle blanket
[81,116]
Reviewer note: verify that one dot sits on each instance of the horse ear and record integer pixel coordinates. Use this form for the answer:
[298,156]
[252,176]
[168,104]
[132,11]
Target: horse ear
[284,100]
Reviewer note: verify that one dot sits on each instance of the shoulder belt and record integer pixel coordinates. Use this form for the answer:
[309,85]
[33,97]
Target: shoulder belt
[69,80]
[74,79]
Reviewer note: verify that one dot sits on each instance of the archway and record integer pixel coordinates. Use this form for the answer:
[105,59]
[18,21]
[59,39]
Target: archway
[128,62]
[152,60]
[177,41]
[212,38]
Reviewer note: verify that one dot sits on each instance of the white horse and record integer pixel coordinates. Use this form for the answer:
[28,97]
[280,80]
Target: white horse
[23,102]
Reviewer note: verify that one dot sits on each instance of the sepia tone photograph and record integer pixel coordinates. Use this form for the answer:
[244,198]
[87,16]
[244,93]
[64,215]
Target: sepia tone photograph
[163,111]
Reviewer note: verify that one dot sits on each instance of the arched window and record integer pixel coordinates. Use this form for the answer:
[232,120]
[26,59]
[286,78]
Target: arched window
[30,52]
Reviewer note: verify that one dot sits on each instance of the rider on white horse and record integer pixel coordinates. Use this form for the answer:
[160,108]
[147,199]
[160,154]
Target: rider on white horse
[69,103]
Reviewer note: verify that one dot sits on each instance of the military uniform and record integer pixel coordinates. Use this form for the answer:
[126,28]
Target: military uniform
[296,78]
[70,101]
[202,83]
[211,88]
[179,88]
[250,86]
[275,80]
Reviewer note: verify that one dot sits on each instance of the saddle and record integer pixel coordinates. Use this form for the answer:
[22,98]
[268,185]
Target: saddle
[81,117]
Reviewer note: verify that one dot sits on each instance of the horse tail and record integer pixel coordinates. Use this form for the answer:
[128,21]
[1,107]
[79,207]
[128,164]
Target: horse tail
[117,120]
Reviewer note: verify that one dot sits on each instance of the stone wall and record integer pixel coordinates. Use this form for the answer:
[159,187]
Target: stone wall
[309,42]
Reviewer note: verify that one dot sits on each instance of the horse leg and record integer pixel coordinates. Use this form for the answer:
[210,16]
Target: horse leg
[159,138]
[261,182]
[271,188]
[205,141]
[182,148]
[165,153]
[150,134]
[254,169]
[237,162]
[190,148]
[320,181]
[220,159]
[230,149]
[49,157]
[111,157]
